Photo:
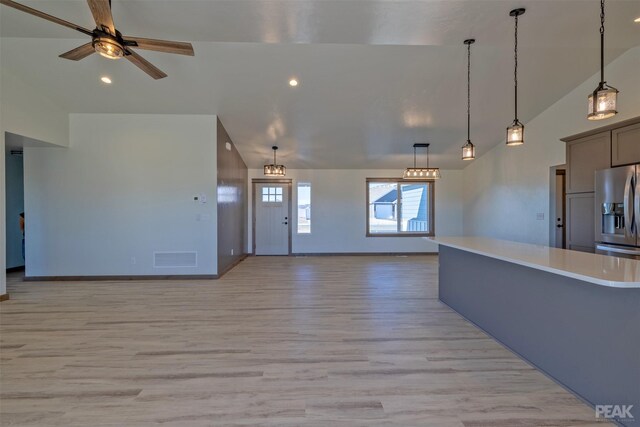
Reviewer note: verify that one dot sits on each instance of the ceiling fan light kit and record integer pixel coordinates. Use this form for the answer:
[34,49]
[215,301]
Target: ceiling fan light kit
[107,41]
[108,47]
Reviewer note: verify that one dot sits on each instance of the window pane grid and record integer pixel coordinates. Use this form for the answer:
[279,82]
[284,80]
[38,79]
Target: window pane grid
[272,194]
[399,207]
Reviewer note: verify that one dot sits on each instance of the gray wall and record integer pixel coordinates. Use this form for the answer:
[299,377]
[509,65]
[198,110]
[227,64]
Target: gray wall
[232,202]
[14,205]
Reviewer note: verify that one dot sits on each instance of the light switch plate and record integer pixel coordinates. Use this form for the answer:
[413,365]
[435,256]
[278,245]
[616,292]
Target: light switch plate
[540,216]
[228,146]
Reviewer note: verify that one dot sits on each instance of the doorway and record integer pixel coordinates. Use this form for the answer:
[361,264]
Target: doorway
[271,217]
[557,207]
[14,205]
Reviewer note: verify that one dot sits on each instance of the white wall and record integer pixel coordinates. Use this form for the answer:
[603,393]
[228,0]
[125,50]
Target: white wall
[123,189]
[338,209]
[505,188]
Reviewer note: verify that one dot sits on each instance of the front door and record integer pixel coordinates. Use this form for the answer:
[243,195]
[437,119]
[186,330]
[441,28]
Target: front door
[271,218]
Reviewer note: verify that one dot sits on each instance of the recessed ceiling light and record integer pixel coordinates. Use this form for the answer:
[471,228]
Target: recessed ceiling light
[105,79]
[293,82]
[637,19]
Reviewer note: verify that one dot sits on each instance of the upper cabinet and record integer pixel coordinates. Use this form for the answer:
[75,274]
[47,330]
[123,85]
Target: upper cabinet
[585,156]
[625,145]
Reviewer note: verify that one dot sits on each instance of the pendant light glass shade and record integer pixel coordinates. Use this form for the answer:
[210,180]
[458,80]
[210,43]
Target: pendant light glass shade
[274,169]
[421,173]
[515,132]
[602,101]
[468,149]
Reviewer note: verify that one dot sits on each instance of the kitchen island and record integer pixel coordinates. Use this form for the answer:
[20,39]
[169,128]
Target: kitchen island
[573,315]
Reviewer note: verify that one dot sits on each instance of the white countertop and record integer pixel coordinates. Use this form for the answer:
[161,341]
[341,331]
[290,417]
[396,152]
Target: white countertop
[599,269]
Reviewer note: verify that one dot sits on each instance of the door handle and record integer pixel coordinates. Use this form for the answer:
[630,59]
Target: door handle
[618,250]
[628,208]
[559,225]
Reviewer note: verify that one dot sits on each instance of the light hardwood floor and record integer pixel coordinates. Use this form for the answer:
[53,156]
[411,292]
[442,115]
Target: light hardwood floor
[278,341]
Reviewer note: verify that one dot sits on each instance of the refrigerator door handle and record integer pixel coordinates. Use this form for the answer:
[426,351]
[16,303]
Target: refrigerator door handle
[636,204]
[628,206]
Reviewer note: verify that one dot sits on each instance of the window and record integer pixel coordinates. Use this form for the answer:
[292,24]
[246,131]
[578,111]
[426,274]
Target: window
[272,194]
[396,207]
[304,208]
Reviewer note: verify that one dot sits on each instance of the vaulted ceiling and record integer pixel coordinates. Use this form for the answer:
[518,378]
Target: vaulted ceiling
[375,76]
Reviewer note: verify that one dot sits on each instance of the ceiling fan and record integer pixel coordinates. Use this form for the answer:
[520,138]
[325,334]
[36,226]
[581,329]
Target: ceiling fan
[108,41]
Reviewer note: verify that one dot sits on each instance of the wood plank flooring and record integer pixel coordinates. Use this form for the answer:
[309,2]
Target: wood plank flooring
[278,341]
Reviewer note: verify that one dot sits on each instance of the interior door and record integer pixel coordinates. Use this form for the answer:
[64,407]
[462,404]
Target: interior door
[272,222]
[560,210]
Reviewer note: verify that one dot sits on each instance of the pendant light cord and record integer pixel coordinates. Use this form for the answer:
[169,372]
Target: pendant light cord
[468,92]
[427,156]
[515,69]
[601,42]
[414,157]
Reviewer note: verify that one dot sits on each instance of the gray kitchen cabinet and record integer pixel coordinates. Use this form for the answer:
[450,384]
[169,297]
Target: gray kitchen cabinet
[580,211]
[585,156]
[625,145]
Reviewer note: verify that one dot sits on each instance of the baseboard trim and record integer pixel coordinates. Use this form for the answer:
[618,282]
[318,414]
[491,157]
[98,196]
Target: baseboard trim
[4,297]
[15,269]
[365,254]
[232,265]
[119,278]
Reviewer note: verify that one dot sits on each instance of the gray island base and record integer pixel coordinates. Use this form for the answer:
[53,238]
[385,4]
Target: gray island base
[584,335]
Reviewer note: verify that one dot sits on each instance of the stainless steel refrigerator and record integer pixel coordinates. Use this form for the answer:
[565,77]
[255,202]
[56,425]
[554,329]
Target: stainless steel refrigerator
[617,216]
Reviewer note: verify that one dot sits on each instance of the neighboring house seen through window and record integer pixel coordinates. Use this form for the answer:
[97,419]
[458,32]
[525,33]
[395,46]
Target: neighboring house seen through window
[304,208]
[397,207]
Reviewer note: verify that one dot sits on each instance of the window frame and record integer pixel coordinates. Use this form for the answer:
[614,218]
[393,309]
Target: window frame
[399,181]
[298,184]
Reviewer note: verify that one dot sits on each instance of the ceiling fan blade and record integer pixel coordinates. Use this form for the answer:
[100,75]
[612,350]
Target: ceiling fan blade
[144,65]
[79,52]
[101,11]
[46,16]
[166,46]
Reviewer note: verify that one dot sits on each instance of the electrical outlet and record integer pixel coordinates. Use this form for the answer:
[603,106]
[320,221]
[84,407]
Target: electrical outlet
[231,251]
[133,260]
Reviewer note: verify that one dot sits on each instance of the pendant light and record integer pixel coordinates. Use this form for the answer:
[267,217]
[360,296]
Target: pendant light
[515,132]
[602,101]
[275,169]
[421,173]
[468,149]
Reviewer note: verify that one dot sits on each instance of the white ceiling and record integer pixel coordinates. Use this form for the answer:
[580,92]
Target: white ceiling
[375,76]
